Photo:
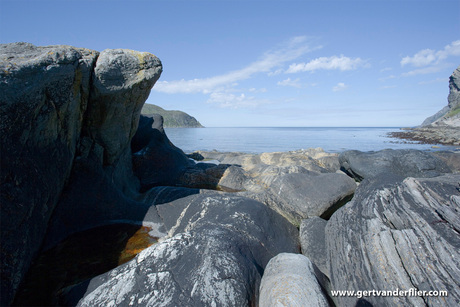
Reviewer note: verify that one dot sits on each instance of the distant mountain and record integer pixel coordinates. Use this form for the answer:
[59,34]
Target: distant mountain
[172,119]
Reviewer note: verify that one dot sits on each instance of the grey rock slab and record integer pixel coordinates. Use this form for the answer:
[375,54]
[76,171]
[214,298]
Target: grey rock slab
[398,234]
[297,196]
[403,162]
[289,280]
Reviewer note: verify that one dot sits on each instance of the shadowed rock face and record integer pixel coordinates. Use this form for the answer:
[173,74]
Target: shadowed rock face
[398,234]
[58,104]
[156,161]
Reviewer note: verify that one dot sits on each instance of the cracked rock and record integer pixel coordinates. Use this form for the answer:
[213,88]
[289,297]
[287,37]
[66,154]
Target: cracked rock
[397,235]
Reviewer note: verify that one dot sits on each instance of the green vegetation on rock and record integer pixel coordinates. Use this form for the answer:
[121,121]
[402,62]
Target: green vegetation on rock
[172,119]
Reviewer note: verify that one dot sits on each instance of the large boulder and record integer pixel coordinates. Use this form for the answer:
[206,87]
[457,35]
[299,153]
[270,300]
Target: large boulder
[44,94]
[61,104]
[216,250]
[289,280]
[398,235]
[402,162]
[303,194]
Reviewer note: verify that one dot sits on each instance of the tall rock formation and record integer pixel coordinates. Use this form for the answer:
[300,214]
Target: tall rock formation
[449,115]
[442,127]
[57,105]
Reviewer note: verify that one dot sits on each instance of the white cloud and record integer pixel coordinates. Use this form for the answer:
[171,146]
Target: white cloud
[388,87]
[339,87]
[431,57]
[289,82]
[228,100]
[288,51]
[329,63]
[260,90]
[423,71]
[438,80]
[387,78]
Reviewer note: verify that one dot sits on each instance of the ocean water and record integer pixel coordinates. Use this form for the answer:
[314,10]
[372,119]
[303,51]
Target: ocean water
[258,140]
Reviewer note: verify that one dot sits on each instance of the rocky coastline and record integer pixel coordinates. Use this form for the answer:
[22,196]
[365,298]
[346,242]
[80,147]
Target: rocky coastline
[80,165]
[444,126]
[430,135]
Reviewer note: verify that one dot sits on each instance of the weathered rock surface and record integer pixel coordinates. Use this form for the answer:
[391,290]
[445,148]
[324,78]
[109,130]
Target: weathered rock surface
[289,280]
[403,162]
[217,249]
[398,234]
[313,242]
[59,104]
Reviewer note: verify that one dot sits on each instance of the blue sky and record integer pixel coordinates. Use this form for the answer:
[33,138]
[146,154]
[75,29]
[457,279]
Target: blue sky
[269,63]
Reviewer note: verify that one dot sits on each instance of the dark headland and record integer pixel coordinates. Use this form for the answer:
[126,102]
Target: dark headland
[171,118]
[99,208]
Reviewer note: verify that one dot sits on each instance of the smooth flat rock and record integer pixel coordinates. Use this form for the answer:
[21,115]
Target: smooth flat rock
[289,280]
[298,196]
[402,162]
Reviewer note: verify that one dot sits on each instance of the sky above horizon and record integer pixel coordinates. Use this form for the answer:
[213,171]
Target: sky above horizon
[234,63]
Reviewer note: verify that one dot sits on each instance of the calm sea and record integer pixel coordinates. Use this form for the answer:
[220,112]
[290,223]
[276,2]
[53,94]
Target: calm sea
[258,140]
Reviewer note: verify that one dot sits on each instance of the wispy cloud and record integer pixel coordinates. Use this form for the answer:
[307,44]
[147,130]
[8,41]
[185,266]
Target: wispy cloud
[437,80]
[387,78]
[288,51]
[339,87]
[289,82]
[431,57]
[329,63]
[386,69]
[229,100]
[387,87]
[424,71]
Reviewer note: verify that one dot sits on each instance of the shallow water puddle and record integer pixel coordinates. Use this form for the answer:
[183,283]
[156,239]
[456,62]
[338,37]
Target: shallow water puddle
[79,257]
